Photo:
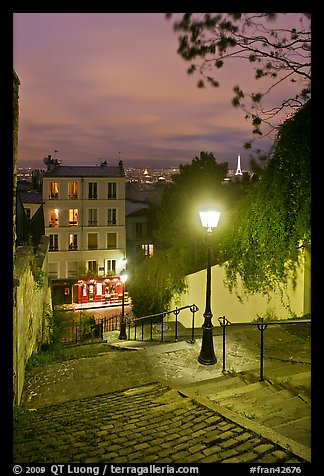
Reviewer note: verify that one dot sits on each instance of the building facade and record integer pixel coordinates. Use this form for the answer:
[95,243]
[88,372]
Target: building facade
[84,215]
[139,237]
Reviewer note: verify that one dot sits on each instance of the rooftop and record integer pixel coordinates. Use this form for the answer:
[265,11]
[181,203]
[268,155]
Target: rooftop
[30,197]
[85,171]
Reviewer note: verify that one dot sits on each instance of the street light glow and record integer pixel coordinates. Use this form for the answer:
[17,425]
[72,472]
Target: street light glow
[209,219]
[122,334]
[123,278]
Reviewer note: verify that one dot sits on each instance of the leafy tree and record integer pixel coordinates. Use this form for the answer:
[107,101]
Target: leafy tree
[156,281]
[180,246]
[159,278]
[197,185]
[272,223]
[277,53]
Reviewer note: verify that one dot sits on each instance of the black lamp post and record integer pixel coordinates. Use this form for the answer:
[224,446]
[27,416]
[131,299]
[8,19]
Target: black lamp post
[122,334]
[209,219]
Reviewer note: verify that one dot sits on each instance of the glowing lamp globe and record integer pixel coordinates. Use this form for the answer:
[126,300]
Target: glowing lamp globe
[209,219]
[123,278]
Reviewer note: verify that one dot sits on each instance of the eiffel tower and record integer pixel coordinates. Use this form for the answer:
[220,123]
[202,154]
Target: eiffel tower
[238,169]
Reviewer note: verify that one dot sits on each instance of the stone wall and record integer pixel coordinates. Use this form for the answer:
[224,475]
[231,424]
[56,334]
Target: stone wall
[32,310]
[16,84]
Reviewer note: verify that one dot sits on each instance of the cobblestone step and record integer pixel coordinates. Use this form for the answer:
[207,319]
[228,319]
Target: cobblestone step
[110,408]
[282,403]
[148,423]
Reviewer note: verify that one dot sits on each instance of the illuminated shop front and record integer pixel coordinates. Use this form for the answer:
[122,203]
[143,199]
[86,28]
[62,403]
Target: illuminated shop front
[106,290]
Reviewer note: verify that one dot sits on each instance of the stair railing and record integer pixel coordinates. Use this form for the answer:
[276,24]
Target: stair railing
[158,318]
[261,326]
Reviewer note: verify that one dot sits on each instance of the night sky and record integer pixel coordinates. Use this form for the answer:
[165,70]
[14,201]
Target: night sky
[111,86]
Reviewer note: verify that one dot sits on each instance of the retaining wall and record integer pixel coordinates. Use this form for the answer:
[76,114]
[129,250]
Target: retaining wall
[32,309]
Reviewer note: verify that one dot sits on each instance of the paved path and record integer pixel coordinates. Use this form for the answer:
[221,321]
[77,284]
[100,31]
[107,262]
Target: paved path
[150,423]
[128,406]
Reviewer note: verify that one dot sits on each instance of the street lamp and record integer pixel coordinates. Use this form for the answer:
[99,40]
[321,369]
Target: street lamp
[209,220]
[122,334]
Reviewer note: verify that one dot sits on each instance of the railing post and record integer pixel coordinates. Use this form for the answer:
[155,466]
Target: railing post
[142,329]
[135,329]
[151,328]
[224,322]
[176,312]
[262,327]
[162,328]
[193,309]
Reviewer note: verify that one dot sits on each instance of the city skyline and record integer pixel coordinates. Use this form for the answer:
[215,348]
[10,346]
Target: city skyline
[111,86]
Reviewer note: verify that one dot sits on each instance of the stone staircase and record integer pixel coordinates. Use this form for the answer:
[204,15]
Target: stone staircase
[281,402]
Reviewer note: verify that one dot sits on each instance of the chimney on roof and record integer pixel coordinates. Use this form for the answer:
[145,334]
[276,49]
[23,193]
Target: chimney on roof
[51,163]
[57,162]
[37,180]
[48,161]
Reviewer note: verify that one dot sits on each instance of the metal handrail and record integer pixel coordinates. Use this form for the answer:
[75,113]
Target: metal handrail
[193,309]
[262,326]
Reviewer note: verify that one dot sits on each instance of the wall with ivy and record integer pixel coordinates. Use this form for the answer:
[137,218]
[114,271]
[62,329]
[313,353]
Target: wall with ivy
[32,310]
[293,300]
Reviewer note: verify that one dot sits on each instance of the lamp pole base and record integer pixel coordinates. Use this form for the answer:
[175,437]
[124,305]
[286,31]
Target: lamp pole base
[207,355]
[122,334]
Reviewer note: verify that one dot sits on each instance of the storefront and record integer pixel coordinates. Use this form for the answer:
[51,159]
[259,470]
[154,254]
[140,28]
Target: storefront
[107,290]
[62,291]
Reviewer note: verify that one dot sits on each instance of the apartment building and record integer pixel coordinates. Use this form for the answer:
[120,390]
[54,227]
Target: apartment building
[139,236]
[84,215]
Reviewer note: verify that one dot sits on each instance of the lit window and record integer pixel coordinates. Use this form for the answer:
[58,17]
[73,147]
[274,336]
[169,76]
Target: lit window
[54,190]
[148,249]
[73,241]
[73,216]
[73,190]
[54,218]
